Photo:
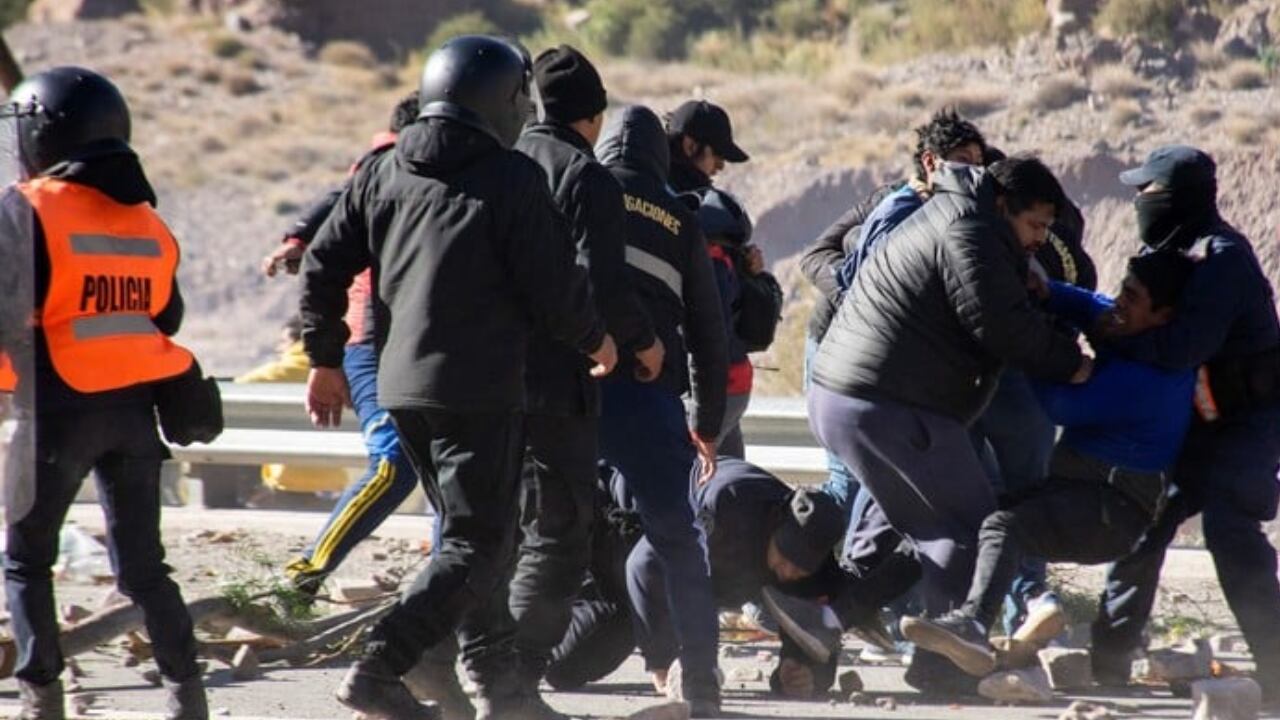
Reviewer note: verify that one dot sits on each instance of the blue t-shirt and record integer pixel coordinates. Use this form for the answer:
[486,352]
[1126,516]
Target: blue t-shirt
[887,215]
[1129,414]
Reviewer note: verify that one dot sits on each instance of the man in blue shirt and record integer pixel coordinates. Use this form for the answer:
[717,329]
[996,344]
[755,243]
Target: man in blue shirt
[1122,430]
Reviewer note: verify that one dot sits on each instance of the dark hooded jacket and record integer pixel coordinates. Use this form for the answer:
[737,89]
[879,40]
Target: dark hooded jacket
[468,256]
[935,314]
[669,265]
[557,380]
[821,261]
[118,175]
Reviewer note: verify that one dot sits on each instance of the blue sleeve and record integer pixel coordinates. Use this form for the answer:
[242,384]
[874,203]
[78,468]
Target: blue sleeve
[1209,303]
[889,214]
[1114,393]
[1076,305]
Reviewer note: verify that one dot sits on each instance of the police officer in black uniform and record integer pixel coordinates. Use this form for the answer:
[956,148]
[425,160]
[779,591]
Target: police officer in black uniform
[562,400]
[468,257]
[1226,326]
[643,428]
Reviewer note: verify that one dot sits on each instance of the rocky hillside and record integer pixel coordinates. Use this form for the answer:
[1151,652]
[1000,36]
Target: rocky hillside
[241,122]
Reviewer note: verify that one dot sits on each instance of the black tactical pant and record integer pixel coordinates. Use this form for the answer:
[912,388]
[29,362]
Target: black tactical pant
[1080,521]
[470,468]
[559,484]
[122,445]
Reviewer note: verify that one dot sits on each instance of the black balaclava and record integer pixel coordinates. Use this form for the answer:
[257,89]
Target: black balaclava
[1175,217]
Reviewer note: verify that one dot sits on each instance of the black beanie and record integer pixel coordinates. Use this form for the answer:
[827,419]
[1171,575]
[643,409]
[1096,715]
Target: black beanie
[809,532]
[570,87]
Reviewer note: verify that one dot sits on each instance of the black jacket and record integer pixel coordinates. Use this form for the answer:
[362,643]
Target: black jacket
[557,380]
[821,262]
[940,308]
[22,245]
[468,257]
[669,266]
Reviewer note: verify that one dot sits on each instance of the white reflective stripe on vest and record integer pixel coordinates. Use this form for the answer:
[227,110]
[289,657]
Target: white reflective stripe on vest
[112,245]
[660,269]
[96,326]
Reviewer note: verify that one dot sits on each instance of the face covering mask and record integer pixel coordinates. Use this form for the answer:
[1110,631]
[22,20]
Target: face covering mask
[1159,218]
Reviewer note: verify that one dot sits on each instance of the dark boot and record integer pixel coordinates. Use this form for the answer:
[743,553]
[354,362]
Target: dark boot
[435,678]
[41,702]
[372,689]
[186,700]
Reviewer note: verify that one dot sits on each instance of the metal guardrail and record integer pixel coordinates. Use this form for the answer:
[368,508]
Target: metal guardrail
[267,423]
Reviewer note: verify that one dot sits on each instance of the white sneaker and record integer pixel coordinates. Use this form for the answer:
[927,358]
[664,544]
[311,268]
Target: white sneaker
[1046,620]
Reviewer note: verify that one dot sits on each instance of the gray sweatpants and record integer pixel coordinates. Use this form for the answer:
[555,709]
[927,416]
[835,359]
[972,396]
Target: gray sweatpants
[922,470]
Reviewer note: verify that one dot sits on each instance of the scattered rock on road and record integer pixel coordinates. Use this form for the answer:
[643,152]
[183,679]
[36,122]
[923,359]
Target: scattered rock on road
[1080,710]
[1028,685]
[849,682]
[1192,660]
[244,666]
[1237,698]
[1068,669]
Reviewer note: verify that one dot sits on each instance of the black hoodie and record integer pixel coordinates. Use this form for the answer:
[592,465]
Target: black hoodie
[591,201]
[669,265]
[468,256]
[118,175]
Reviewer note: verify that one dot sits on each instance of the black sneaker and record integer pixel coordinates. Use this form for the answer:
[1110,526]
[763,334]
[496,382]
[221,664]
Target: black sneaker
[42,702]
[933,674]
[437,681]
[372,689]
[802,621]
[186,700]
[1111,674]
[867,625]
[956,636]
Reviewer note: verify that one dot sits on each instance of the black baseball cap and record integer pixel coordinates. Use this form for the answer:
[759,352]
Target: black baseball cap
[1173,166]
[811,529]
[707,123]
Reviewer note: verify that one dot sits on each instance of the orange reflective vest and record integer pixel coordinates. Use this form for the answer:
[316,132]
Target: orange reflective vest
[111,272]
[8,378]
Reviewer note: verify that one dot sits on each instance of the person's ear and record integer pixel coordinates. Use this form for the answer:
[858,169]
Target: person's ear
[690,147]
[929,160]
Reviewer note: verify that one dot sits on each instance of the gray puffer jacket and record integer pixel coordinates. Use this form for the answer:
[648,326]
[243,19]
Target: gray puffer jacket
[940,308]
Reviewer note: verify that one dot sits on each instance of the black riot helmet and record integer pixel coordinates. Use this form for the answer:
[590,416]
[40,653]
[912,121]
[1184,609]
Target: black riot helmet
[67,113]
[721,216]
[481,81]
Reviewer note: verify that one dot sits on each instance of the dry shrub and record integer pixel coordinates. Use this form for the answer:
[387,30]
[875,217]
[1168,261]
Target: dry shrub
[973,101]
[1202,115]
[1244,75]
[1117,81]
[242,83]
[209,76]
[177,67]
[347,53]
[1059,92]
[226,46]
[1208,58]
[904,96]
[210,145]
[851,82]
[1245,129]
[1124,113]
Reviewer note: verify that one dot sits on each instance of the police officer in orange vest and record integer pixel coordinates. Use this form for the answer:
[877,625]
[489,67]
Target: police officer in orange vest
[105,301]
